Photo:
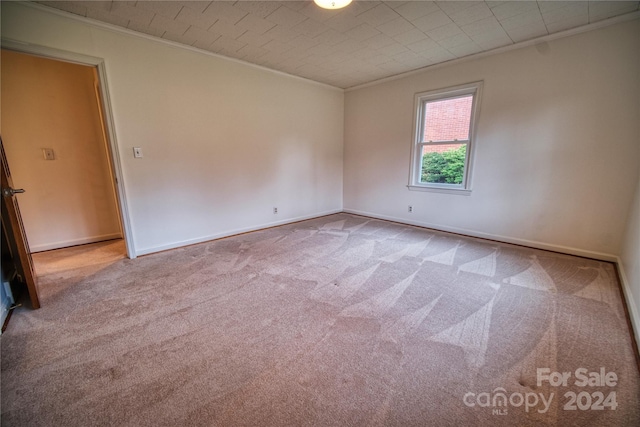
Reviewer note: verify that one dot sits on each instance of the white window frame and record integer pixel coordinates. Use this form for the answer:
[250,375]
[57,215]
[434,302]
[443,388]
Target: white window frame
[421,99]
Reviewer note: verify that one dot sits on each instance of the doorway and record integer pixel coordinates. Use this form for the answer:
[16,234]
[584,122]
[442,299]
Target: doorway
[62,150]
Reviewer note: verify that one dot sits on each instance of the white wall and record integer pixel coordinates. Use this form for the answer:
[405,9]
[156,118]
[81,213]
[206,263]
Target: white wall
[223,142]
[52,104]
[630,262]
[557,151]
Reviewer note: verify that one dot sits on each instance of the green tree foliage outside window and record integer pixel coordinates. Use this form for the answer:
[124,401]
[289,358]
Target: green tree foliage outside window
[445,168]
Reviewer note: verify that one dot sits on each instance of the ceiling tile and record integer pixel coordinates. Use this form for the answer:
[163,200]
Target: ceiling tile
[392,49]
[227,29]
[569,22]
[482,26]
[423,45]
[411,36]
[522,20]
[413,10]
[192,17]
[168,9]
[331,38]
[411,59]
[432,21]
[254,39]
[286,17]
[444,32]
[362,32]
[202,36]
[295,5]
[101,5]
[572,9]
[69,6]
[277,46]
[349,46]
[261,9]
[139,15]
[172,26]
[478,11]
[303,41]
[453,41]
[379,15]
[225,11]
[507,9]
[395,27]
[451,7]
[282,33]
[196,6]
[311,28]
[379,41]
[377,59]
[343,22]
[255,24]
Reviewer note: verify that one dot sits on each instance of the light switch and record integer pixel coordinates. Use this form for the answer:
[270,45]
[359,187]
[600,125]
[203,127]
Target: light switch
[48,154]
[137,152]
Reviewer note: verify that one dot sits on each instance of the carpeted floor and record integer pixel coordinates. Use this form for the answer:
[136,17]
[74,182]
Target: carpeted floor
[340,321]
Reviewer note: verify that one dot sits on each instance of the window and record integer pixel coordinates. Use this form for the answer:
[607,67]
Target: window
[443,146]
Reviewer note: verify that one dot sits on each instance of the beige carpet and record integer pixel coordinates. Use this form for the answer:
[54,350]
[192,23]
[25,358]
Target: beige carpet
[340,321]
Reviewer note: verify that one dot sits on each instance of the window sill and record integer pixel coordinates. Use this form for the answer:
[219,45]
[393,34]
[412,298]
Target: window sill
[446,190]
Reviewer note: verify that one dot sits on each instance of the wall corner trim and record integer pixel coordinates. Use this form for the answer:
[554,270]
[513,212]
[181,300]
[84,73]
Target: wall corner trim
[634,315]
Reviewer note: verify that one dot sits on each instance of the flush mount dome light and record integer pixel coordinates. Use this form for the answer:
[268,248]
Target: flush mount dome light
[332,4]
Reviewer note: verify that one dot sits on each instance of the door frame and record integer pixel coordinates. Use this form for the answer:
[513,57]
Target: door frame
[116,165]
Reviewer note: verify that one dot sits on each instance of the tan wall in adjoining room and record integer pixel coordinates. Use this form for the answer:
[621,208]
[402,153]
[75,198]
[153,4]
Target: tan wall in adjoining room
[53,104]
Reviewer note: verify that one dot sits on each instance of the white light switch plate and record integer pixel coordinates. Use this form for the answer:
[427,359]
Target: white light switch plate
[137,152]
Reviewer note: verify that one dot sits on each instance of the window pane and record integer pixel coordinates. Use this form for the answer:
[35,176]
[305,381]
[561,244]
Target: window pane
[443,164]
[447,120]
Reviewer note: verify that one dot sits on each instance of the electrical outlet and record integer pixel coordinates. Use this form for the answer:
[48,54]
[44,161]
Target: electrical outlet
[48,154]
[137,152]
[275,210]
[410,209]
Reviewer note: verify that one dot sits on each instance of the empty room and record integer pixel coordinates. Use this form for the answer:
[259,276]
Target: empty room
[377,213]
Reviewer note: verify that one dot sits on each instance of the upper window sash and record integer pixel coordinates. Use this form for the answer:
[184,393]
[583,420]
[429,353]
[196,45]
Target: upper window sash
[426,99]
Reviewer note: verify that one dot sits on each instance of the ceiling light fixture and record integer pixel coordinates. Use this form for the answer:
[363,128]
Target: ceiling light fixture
[332,4]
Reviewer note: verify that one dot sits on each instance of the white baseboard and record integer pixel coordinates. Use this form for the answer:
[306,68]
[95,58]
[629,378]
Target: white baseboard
[174,245]
[631,303]
[74,242]
[505,239]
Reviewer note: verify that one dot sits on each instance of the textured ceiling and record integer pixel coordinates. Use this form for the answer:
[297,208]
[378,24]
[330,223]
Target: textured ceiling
[364,42]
